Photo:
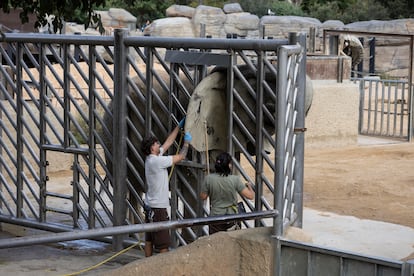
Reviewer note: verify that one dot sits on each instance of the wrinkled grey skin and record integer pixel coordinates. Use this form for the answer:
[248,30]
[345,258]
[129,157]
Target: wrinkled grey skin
[216,133]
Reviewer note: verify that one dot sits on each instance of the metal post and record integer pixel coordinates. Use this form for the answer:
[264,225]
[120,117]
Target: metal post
[259,133]
[410,91]
[299,131]
[19,131]
[119,133]
[372,56]
[229,97]
[91,139]
[42,135]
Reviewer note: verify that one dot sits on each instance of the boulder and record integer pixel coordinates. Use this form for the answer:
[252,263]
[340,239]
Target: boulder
[281,26]
[123,18]
[333,24]
[213,19]
[241,23]
[232,8]
[398,26]
[180,11]
[171,27]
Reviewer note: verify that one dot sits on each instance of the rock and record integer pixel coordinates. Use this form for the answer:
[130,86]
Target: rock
[232,8]
[123,18]
[400,26]
[333,24]
[241,23]
[171,27]
[213,19]
[281,26]
[180,11]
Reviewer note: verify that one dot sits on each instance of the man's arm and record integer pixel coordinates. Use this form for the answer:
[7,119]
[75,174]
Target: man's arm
[183,152]
[181,155]
[170,139]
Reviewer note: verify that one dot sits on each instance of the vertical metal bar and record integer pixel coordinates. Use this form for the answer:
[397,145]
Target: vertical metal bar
[66,96]
[372,56]
[369,106]
[382,107]
[229,97]
[395,109]
[389,108]
[149,85]
[119,134]
[361,105]
[42,134]
[376,107]
[300,135]
[401,103]
[92,140]
[19,131]
[259,132]
[410,92]
[75,191]
[280,154]
[174,69]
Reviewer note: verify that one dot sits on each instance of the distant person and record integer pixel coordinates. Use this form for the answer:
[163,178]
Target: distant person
[223,189]
[157,197]
[147,23]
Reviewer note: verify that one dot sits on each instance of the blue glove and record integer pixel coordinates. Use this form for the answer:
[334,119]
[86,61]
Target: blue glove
[181,123]
[188,137]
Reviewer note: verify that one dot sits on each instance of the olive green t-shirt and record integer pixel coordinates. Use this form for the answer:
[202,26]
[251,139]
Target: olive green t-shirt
[223,192]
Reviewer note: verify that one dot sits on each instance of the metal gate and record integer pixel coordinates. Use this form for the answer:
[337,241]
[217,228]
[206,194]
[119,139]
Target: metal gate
[94,98]
[384,108]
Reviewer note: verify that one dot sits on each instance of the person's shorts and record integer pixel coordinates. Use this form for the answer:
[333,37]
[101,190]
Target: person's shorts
[160,239]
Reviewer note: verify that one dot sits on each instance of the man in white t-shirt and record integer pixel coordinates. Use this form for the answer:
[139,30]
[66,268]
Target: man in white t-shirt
[157,196]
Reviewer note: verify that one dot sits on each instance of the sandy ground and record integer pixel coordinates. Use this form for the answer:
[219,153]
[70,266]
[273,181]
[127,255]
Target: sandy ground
[367,181]
[347,191]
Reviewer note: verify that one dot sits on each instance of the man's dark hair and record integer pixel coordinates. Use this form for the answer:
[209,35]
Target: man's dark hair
[147,143]
[222,165]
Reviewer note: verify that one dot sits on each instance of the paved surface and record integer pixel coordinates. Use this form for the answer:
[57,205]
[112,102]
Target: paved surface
[371,238]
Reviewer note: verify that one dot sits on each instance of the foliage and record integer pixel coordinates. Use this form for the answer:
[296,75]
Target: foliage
[286,8]
[258,7]
[63,11]
[346,11]
[399,8]
[143,10]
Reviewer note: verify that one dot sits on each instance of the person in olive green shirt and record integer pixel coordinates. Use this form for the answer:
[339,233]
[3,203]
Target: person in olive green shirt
[223,188]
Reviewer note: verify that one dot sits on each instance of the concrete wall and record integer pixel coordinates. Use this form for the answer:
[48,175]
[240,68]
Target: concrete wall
[332,120]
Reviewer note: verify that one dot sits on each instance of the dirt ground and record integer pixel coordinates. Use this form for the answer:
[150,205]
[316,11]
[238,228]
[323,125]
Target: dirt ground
[366,181]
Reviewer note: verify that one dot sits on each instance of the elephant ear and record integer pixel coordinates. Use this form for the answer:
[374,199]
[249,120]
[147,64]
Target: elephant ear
[206,114]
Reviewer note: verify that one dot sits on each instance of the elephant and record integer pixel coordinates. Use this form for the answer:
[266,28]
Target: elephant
[206,109]
[350,45]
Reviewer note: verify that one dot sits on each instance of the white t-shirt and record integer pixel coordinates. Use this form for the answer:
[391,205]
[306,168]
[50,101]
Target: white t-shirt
[156,174]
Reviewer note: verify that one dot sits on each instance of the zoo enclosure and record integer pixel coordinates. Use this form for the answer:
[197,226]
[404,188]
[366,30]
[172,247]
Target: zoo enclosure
[42,118]
[386,101]
[55,94]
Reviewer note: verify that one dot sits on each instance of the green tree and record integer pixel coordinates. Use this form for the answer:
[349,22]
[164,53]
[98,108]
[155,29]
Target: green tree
[346,11]
[63,10]
[399,8]
[286,8]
